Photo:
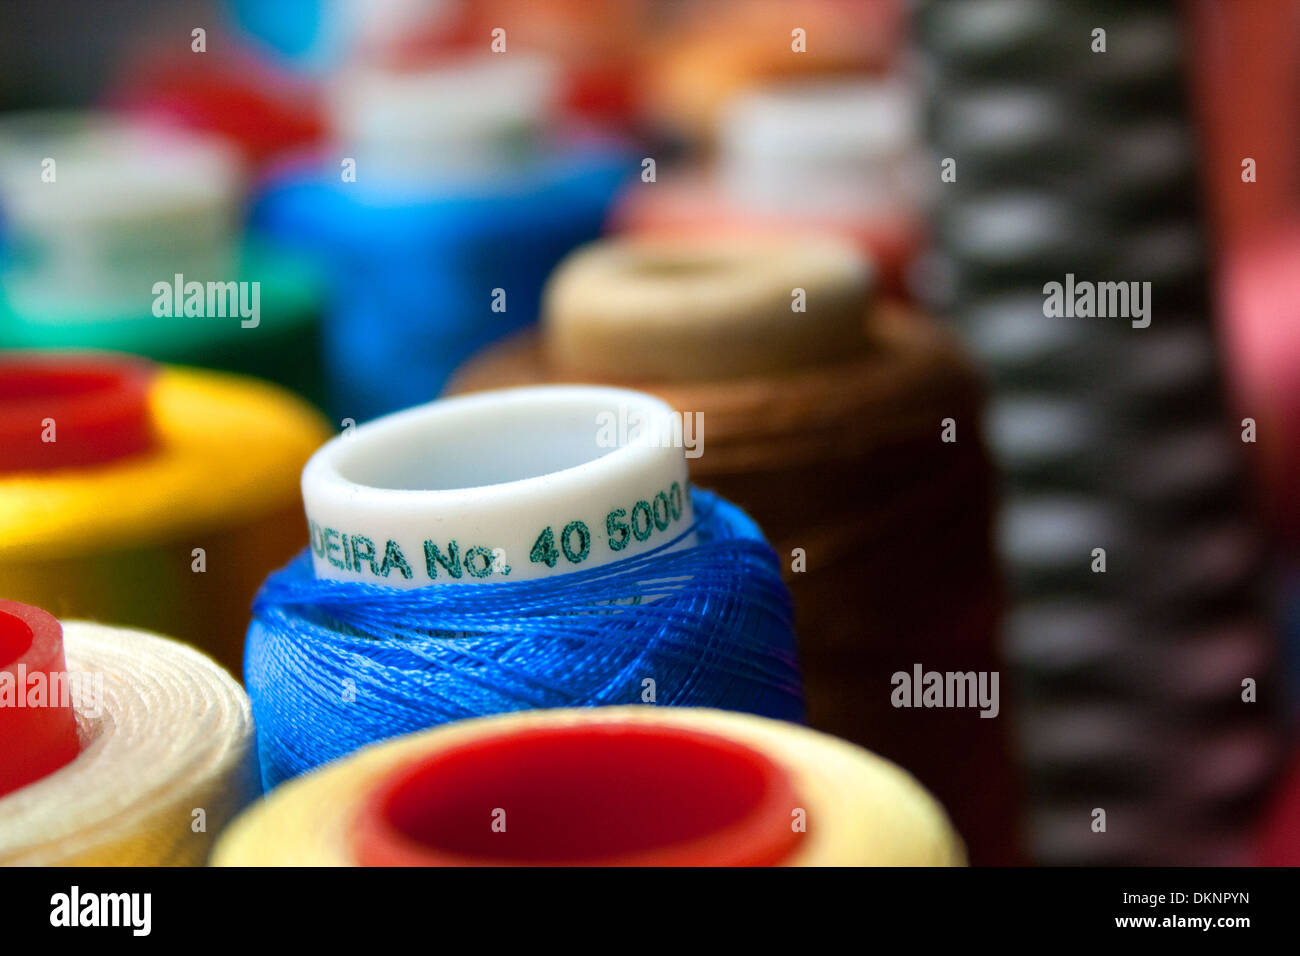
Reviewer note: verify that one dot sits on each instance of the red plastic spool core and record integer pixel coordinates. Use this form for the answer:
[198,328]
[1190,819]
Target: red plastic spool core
[95,407]
[601,794]
[38,729]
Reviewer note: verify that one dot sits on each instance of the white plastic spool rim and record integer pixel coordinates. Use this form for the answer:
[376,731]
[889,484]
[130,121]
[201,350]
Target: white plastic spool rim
[471,117]
[100,209]
[511,485]
[109,171]
[819,145]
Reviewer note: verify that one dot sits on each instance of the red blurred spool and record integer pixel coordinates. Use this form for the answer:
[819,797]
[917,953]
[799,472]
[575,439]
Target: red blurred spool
[614,794]
[1279,843]
[261,111]
[1247,88]
[95,407]
[1248,93]
[34,740]
[1260,293]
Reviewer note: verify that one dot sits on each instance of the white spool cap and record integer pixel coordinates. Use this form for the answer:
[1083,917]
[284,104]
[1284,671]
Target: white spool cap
[469,118]
[498,486]
[813,147]
[100,209]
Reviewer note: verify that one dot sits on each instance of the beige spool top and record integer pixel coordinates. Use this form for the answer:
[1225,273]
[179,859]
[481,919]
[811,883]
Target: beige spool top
[680,309]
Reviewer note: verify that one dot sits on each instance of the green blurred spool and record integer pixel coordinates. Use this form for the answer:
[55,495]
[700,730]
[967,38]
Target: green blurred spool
[284,347]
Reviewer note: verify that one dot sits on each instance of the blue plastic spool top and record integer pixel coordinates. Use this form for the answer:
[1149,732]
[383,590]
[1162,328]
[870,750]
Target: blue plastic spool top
[413,276]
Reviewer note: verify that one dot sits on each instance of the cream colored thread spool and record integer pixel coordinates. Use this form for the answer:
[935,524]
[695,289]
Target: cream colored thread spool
[858,809]
[101,209]
[467,119]
[166,759]
[654,309]
[465,490]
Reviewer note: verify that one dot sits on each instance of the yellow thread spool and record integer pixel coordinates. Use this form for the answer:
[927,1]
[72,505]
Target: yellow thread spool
[858,809]
[116,541]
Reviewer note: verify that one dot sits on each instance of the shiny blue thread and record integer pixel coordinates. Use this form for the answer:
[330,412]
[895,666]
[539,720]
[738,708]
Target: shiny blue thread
[717,634]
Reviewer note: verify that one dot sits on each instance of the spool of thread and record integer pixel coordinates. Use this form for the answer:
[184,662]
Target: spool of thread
[839,459]
[599,43]
[511,551]
[124,236]
[1261,312]
[283,346]
[261,110]
[1261,306]
[633,786]
[827,157]
[115,473]
[845,147]
[406,127]
[1242,59]
[97,209]
[714,52]
[34,740]
[133,750]
[441,241]
[701,309]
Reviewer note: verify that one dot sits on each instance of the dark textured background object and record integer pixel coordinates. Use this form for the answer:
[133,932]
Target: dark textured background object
[1109,436]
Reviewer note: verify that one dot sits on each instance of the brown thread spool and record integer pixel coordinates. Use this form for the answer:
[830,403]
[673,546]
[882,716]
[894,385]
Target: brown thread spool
[842,456]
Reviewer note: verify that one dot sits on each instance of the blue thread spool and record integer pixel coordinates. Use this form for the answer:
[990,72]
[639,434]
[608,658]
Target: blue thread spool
[455,197]
[588,592]
[309,34]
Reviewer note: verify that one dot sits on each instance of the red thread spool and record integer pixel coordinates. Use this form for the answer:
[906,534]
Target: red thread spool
[34,740]
[262,111]
[604,795]
[98,407]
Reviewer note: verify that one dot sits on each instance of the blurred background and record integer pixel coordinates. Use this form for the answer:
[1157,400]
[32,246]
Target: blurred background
[1119,535]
